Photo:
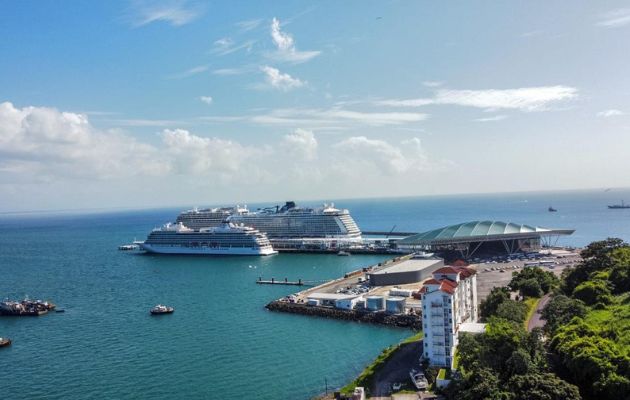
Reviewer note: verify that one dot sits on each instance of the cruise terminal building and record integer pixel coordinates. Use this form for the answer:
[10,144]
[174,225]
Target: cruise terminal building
[475,237]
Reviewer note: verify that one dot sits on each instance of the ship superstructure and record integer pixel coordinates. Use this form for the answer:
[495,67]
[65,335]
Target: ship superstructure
[225,239]
[286,222]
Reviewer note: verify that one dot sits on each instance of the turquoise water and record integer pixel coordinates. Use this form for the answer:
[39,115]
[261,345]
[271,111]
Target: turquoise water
[220,343]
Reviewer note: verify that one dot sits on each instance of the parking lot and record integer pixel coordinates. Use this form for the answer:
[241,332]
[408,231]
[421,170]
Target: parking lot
[498,271]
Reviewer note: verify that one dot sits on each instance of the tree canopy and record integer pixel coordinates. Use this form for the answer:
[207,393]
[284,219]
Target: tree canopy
[533,282]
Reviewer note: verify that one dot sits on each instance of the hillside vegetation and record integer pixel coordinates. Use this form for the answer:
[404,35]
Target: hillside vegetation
[583,351]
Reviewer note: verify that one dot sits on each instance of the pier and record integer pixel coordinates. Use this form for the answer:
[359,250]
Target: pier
[299,282]
[273,281]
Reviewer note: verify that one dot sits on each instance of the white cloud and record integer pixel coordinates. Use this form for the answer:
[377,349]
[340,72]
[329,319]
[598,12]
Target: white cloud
[278,80]
[223,43]
[232,71]
[51,157]
[301,144]
[359,153]
[525,99]
[335,116]
[491,119]
[206,99]
[174,12]
[225,46]
[286,49]
[191,154]
[615,18]
[249,25]
[45,144]
[610,113]
[190,72]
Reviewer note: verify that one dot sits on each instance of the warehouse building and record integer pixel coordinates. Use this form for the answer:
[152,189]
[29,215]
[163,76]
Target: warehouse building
[407,271]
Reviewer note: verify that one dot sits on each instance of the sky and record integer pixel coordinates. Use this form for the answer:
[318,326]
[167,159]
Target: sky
[160,103]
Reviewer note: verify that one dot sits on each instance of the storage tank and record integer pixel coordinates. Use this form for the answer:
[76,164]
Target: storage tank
[395,305]
[375,303]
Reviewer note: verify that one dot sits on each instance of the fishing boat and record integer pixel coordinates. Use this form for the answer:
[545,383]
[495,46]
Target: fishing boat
[551,209]
[418,379]
[617,206]
[161,309]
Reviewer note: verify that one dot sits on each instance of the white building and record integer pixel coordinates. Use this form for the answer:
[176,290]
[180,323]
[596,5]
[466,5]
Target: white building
[337,300]
[449,299]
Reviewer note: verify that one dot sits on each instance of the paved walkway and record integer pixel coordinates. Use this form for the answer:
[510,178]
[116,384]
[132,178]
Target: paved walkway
[535,321]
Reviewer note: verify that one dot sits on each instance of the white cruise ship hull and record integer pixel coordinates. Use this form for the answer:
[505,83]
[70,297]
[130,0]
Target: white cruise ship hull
[210,251]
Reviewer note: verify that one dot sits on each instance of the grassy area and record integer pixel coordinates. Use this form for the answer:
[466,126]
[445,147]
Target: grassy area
[532,304]
[417,337]
[455,359]
[366,378]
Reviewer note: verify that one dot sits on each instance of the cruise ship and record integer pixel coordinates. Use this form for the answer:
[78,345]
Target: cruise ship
[225,239]
[288,221]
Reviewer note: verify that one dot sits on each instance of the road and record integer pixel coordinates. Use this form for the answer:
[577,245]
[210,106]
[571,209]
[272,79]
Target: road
[397,369]
[535,321]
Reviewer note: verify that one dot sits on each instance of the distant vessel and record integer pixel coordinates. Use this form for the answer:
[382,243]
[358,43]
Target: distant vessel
[286,222]
[343,253]
[25,308]
[617,206]
[161,309]
[226,239]
[5,342]
[551,209]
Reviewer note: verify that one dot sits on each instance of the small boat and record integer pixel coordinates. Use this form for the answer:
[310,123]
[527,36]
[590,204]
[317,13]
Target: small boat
[551,209]
[60,311]
[343,253]
[128,247]
[5,342]
[161,309]
[418,379]
[618,206]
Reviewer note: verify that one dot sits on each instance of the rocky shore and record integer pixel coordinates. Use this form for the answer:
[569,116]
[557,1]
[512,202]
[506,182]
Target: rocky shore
[413,321]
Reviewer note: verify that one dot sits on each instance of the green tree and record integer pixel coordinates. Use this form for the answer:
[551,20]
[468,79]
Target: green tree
[489,306]
[519,363]
[469,351]
[501,339]
[588,357]
[592,292]
[530,288]
[547,281]
[560,310]
[541,387]
[597,256]
[620,273]
[483,384]
[512,311]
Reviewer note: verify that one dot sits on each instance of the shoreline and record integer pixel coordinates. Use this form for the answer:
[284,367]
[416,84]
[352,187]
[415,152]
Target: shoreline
[412,321]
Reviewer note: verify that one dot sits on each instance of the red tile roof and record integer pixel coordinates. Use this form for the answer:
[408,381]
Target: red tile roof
[463,271]
[445,285]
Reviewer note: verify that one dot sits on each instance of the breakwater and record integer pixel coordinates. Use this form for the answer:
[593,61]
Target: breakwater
[413,321]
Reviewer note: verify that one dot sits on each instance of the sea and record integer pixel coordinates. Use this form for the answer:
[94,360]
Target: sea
[220,343]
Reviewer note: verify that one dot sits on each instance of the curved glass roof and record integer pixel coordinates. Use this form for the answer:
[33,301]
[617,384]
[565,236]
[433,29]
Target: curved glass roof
[476,229]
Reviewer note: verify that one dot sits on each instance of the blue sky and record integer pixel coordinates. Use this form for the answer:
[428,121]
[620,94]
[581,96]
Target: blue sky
[143,103]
